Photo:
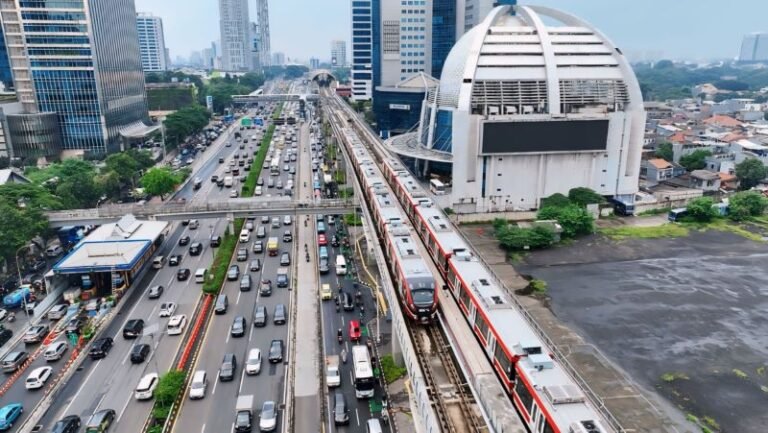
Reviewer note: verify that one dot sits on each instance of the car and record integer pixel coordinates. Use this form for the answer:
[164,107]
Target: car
[75,324]
[139,353]
[176,324]
[265,219]
[233,194]
[174,260]
[323,266]
[354,331]
[35,334]
[195,249]
[340,409]
[242,254]
[221,160]
[253,364]
[245,283]
[260,316]
[55,313]
[334,241]
[55,350]
[266,288]
[286,167]
[183,274]
[258,247]
[133,328]
[100,421]
[321,240]
[260,181]
[185,223]
[101,348]
[268,416]
[276,351]
[233,273]
[68,424]
[228,367]
[199,385]
[287,220]
[275,223]
[145,390]
[238,327]
[215,178]
[155,292]
[9,414]
[346,301]
[194,224]
[167,309]
[280,314]
[285,259]
[184,240]
[38,377]
[287,236]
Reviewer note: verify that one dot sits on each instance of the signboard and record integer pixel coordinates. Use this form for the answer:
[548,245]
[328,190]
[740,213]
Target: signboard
[209,102]
[399,107]
[545,136]
[245,121]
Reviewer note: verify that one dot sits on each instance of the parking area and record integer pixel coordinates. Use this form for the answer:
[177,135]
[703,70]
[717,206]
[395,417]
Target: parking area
[683,316]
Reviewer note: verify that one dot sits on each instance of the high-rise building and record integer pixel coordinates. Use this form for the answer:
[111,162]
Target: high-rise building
[255,46]
[265,47]
[278,59]
[339,53]
[754,48]
[314,63]
[235,30]
[365,47]
[83,65]
[151,42]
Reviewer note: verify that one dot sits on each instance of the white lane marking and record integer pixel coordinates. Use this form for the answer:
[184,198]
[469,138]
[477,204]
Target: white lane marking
[242,378]
[357,415]
[170,282]
[228,335]
[99,403]
[202,430]
[126,357]
[95,367]
[233,427]
[215,382]
[125,406]
[351,379]
[250,334]
[237,302]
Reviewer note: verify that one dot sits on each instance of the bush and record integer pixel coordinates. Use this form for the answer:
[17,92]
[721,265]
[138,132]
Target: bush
[168,389]
[516,238]
[353,219]
[584,196]
[700,209]
[743,205]
[221,260]
[392,371]
[573,219]
[555,200]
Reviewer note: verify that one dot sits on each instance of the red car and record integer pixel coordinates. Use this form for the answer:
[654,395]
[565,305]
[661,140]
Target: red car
[321,240]
[354,330]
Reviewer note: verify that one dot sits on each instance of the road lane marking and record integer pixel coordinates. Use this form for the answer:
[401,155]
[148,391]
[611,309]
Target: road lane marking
[100,402]
[95,367]
[126,357]
[242,378]
[215,382]
[357,415]
[228,335]
[250,334]
[202,430]
[125,406]
[237,302]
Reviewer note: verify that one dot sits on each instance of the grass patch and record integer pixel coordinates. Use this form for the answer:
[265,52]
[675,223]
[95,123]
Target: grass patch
[740,374]
[731,227]
[330,152]
[258,163]
[710,422]
[650,212]
[345,193]
[653,232]
[169,387]
[671,377]
[353,219]
[539,286]
[340,177]
[278,111]
[516,256]
[392,371]
[221,260]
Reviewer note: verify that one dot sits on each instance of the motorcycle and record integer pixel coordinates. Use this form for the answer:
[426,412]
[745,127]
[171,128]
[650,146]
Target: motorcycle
[11,317]
[340,336]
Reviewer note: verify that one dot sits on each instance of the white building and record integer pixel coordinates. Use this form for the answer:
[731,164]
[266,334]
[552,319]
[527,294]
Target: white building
[235,31]
[265,46]
[527,109]
[474,11]
[339,53]
[151,42]
[754,48]
[406,40]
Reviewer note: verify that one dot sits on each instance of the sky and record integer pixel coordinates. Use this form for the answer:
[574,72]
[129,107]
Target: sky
[643,29]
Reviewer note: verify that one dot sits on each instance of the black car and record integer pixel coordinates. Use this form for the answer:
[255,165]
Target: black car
[228,367]
[285,259]
[214,178]
[185,223]
[68,424]
[101,347]
[182,274]
[260,316]
[184,240]
[238,326]
[334,241]
[174,260]
[233,273]
[75,325]
[266,288]
[139,353]
[346,301]
[221,160]
[155,292]
[5,335]
[276,351]
[195,249]
[133,328]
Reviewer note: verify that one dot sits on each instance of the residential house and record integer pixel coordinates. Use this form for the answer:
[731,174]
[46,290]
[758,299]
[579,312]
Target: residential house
[705,180]
[657,170]
[728,181]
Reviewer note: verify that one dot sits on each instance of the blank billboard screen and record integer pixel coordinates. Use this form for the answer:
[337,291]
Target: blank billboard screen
[545,136]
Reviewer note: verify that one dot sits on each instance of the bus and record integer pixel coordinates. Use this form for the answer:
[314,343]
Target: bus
[274,167]
[675,215]
[362,372]
[437,187]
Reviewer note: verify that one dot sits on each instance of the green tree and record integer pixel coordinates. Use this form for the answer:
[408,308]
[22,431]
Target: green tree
[109,183]
[750,173]
[701,210]
[664,151]
[745,204]
[695,160]
[185,122]
[79,191]
[574,220]
[516,238]
[125,166]
[143,158]
[555,200]
[29,196]
[18,226]
[584,196]
[159,181]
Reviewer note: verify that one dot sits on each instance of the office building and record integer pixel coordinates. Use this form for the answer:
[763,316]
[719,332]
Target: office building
[561,109]
[151,42]
[754,48]
[338,54]
[475,11]
[253,37]
[234,26]
[265,47]
[314,63]
[365,36]
[84,65]
[278,59]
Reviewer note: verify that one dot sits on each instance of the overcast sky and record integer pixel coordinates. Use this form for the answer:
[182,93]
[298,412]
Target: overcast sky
[678,29]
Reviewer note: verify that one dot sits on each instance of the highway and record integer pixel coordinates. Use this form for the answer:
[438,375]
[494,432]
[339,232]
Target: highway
[97,386]
[216,412]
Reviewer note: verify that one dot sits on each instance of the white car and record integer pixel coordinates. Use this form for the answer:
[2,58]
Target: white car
[167,309]
[3,314]
[176,324]
[146,388]
[38,377]
[55,350]
[268,417]
[233,194]
[253,363]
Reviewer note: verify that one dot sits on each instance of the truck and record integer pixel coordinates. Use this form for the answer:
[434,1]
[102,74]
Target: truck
[228,181]
[69,236]
[332,374]
[272,246]
[244,413]
[18,297]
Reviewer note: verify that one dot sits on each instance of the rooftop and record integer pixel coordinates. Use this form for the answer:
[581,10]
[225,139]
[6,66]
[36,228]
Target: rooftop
[660,163]
[11,175]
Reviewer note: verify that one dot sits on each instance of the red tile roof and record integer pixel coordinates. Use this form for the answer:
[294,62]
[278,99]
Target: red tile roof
[725,121]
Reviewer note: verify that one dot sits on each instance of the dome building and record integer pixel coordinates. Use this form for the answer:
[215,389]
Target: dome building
[531,102]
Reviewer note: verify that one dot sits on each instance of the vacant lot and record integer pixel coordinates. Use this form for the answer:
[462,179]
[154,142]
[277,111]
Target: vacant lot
[686,316]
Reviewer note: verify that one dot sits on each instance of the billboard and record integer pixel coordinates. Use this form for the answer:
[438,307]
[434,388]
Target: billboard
[545,136]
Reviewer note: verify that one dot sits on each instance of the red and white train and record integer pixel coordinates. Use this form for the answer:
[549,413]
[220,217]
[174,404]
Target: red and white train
[547,397]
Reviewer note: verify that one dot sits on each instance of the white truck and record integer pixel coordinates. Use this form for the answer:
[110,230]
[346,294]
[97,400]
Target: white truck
[332,374]
[228,181]
[244,413]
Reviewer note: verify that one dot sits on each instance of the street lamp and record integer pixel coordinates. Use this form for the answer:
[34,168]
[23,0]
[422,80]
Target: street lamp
[213,253]
[18,270]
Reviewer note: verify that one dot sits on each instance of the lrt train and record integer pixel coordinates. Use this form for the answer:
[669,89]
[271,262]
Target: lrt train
[546,394]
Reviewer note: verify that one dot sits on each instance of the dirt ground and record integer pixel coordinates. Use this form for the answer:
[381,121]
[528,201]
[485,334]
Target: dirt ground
[687,317]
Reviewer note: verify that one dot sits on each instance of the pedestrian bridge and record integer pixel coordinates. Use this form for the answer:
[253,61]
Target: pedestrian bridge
[287,97]
[232,208]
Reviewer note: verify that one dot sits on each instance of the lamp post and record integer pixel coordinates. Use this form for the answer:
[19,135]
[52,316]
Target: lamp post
[213,253]
[18,270]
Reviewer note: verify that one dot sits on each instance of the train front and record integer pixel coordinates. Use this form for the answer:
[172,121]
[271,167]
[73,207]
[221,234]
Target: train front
[421,302]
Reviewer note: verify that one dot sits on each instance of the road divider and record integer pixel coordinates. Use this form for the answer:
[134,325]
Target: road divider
[221,260]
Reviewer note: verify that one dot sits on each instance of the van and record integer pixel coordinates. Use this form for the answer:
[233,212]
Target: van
[245,236]
[200,275]
[341,265]
[222,303]
[54,250]
[198,386]
[325,292]
[261,232]
[158,262]
[373,426]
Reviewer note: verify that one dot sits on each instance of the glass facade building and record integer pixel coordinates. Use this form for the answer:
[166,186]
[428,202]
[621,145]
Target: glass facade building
[34,135]
[79,59]
[443,33]
[362,73]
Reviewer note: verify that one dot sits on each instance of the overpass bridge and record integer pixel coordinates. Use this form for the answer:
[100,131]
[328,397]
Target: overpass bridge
[233,208]
[281,97]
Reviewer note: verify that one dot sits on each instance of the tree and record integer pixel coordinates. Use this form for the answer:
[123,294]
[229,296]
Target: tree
[79,191]
[584,196]
[745,204]
[143,158]
[516,238]
[555,200]
[29,196]
[125,166]
[574,220]
[18,226]
[159,181]
[695,160]
[109,184]
[750,173]
[701,210]
[664,151]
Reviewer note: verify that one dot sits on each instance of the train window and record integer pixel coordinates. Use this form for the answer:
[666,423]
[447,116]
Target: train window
[464,296]
[481,326]
[524,395]
[442,261]
[504,362]
[452,277]
[548,427]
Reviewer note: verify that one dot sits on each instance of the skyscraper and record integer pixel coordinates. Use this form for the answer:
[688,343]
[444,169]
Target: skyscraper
[278,59]
[82,64]
[255,47]
[365,41]
[754,48]
[151,42]
[265,47]
[234,28]
[314,63]
[339,53]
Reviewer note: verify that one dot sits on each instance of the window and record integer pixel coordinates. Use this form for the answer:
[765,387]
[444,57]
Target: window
[463,295]
[524,395]
[504,362]
[482,327]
